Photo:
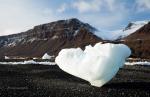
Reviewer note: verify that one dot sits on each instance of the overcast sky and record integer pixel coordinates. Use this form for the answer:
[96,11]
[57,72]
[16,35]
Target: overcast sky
[21,15]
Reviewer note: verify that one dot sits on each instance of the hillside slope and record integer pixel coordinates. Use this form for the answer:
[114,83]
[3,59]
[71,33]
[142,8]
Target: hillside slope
[48,38]
[139,42]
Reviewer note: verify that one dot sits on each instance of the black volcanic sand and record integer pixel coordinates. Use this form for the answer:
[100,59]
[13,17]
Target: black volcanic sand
[50,81]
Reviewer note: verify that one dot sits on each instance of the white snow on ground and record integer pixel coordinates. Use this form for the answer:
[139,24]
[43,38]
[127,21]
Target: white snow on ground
[113,35]
[6,57]
[28,62]
[46,56]
[137,63]
[97,64]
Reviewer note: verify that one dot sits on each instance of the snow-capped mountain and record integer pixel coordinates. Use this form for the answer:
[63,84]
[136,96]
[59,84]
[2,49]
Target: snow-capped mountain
[52,37]
[136,35]
[121,33]
[48,38]
[139,42]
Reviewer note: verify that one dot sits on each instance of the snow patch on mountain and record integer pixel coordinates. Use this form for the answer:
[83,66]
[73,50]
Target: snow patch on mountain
[118,34]
[138,63]
[55,37]
[76,32]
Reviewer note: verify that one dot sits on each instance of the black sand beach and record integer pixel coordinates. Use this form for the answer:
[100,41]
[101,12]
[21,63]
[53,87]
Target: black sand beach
[49,81]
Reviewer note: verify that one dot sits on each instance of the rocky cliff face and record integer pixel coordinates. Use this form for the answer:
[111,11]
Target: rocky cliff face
[48,38]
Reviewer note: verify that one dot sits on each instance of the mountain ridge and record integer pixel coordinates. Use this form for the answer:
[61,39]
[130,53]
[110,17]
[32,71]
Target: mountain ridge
[48,38]
[52,37]
[139,42]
